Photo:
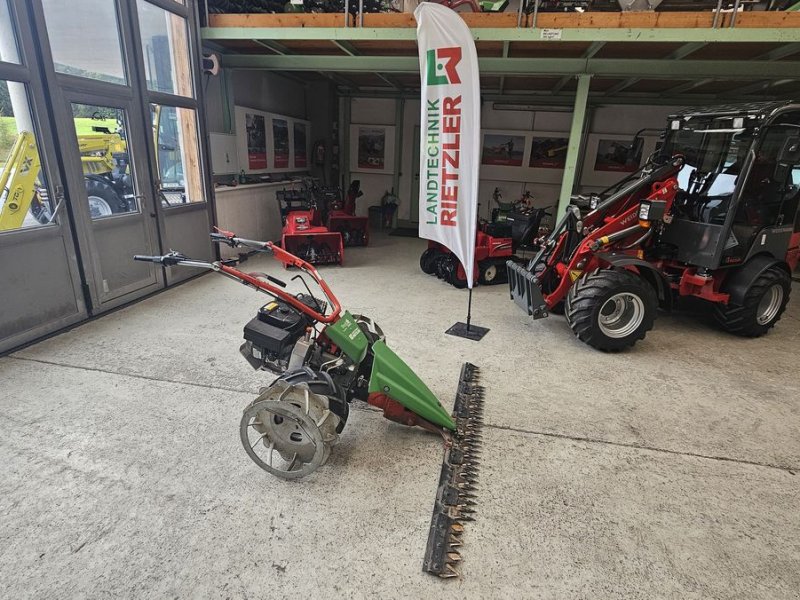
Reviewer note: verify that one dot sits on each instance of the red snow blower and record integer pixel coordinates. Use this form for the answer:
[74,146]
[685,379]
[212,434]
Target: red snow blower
[342,217]
[303,233]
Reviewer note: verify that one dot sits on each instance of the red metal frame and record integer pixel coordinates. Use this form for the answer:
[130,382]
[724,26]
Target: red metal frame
[626,216]
[289,260]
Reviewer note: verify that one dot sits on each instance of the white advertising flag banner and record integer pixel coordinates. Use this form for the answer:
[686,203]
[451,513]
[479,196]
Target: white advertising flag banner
[450,132]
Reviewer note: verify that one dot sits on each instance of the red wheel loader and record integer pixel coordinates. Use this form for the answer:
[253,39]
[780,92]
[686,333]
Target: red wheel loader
[713,214]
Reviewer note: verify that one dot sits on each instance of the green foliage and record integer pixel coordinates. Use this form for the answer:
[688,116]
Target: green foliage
[8,135]
[5,100]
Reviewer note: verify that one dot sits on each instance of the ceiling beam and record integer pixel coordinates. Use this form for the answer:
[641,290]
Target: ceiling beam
[273,46]
[610,68]
[759,86]
[513,34]
[690,85]
[348,49]
[678,54]
[780,52]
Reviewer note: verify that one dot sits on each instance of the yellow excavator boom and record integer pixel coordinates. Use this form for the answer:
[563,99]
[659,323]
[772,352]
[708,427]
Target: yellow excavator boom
[18,181]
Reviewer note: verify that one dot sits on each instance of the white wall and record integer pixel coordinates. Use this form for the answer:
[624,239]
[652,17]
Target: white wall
[612,120]
[270,92]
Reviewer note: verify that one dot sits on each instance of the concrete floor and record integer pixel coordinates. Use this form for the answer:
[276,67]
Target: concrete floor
[666,472]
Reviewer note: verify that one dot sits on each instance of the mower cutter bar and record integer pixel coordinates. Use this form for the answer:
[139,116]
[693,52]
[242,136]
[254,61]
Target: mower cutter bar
[455,497]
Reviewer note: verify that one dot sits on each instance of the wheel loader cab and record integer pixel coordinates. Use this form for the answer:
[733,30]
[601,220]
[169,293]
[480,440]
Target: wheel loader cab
[739,185]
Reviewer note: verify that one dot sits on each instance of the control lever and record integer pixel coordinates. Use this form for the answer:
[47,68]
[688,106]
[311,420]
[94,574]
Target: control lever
[270,278]
[168,260]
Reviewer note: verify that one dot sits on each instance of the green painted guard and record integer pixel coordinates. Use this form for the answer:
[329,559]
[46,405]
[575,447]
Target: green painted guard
[393,377]
[346,334]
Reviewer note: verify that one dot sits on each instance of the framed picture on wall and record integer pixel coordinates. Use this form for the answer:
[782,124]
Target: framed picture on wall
[299,131]
[372,148]
[280,142]
[610,157]
[548,152]
[256,132]
[620,156]
[503,149]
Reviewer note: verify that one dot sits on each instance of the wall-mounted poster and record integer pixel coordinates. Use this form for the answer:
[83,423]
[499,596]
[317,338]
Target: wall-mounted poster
[255,125]
[372,148]
[501,149]
[300,145]
[280,142]
[617,155]
[548,152]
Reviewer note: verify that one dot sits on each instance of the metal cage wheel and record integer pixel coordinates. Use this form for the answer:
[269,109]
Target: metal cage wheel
[288,430]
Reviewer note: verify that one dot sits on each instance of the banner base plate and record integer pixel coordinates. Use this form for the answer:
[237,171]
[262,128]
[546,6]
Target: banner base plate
[474,333]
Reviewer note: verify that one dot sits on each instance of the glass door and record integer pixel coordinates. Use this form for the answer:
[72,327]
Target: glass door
[112,197]
[40,286]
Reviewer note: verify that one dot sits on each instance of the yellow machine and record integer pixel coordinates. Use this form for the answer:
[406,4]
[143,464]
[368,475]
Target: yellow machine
[18,182]
[104,158]
[107,182]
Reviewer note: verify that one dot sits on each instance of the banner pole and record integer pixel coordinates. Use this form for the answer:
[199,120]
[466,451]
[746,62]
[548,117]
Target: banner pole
[469,309]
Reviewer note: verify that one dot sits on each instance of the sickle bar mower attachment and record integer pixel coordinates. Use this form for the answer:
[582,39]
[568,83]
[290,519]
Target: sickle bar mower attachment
[455,497]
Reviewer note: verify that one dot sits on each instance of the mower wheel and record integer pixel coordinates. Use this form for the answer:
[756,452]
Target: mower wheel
[763,305]
[427,262]
[611,309]
[492,272]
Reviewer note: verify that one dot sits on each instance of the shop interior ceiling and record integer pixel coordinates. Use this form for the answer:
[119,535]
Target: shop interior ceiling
[627,65]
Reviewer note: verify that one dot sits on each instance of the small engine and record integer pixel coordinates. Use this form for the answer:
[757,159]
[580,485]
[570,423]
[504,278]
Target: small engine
[272,336]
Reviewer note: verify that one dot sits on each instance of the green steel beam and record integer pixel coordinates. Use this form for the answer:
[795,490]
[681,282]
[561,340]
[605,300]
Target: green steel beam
[655,69]
[593,49]
[274,46]
[511,34]
[780,52]
[574,148]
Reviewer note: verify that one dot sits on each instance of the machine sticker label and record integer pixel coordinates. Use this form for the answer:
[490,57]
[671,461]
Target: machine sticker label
[551,34]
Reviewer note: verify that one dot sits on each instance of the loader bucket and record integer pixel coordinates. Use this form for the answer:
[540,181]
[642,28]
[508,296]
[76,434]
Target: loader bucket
[525,291]
[319,248]
[393,377]
[354,230]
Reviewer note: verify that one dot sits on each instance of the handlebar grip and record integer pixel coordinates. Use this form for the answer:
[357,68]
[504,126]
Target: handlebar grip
[222,239]
[276,281]
[144,258]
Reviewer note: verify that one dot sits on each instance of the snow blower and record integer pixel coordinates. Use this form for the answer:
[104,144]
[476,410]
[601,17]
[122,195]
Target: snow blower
[326,358]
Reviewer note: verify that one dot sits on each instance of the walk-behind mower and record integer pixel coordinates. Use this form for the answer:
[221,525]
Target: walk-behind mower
[713,214]
[303,233]
[326,358]
[342,217]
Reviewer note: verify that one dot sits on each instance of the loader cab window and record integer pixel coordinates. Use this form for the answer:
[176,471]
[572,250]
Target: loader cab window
[770,196]
[714,152]
[25,201]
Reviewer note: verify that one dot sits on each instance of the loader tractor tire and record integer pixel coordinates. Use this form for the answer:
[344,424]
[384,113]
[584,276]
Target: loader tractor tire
[103,199]
[611,309]
[427,262]
[762,307]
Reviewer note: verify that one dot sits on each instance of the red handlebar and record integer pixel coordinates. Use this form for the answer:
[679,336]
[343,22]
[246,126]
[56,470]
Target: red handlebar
[293,261]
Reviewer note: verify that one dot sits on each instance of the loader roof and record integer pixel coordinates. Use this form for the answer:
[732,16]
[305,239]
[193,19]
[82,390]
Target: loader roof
[759,110]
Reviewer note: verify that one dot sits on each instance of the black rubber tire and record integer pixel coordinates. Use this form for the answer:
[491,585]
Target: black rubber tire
[105,191]
[485,271]
[440,265]
[591,292]
[742,320]
[450,269]
[427,262]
